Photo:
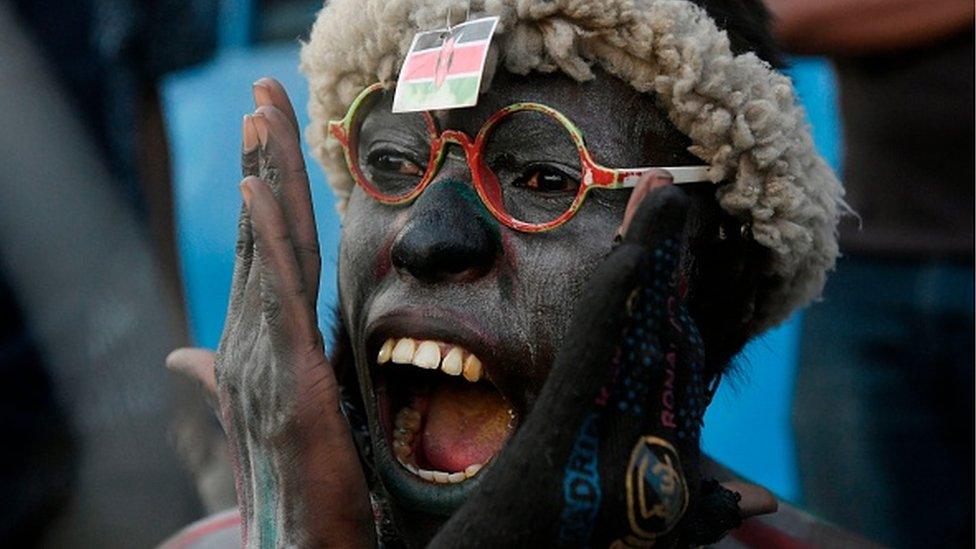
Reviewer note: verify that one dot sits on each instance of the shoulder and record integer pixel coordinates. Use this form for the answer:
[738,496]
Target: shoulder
[791,528]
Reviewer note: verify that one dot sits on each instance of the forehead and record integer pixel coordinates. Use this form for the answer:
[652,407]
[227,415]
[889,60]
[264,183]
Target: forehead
[621,126]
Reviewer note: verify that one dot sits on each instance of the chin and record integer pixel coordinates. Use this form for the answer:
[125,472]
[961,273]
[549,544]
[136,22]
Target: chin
[433,385]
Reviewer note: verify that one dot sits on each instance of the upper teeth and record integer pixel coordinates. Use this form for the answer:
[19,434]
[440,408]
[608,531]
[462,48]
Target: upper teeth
[452,359]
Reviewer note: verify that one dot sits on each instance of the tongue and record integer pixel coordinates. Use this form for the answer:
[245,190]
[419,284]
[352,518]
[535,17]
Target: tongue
[466,423]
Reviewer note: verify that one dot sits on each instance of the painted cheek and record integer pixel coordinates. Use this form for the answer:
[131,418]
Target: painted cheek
[381,262]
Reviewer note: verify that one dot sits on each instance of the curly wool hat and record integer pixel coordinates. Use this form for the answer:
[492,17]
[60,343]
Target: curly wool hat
[741,115]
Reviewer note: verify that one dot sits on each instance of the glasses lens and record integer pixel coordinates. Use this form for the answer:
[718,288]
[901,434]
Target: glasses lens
[392,149]
[537,166]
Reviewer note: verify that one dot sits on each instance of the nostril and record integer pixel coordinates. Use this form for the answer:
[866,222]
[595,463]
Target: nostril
[436,254]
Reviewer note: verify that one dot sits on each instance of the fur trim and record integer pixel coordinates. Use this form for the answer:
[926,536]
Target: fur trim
[741,115]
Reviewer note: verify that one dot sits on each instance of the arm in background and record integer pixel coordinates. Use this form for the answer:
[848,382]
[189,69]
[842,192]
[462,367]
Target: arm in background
[852,27]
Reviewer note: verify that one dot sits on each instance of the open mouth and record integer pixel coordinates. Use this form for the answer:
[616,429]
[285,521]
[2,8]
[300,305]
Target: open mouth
[442,416]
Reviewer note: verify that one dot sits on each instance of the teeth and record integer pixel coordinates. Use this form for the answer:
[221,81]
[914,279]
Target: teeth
[428,355]
[452,362]
[403,351]
[441,477]
[472,368]
[407,419]
[454,478]
[406,426]
[401,449]
[386,351]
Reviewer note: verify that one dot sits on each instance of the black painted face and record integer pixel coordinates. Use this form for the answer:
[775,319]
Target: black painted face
[442,269]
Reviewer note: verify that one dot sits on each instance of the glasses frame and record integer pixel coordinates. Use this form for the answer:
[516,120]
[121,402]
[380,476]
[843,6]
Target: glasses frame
[593,175]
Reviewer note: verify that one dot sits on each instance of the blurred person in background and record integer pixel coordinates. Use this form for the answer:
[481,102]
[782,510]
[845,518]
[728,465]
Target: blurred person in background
[110,56]
[87,286]
[884,405]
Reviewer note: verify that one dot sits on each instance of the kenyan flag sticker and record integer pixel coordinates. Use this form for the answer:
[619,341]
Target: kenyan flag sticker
[443,67]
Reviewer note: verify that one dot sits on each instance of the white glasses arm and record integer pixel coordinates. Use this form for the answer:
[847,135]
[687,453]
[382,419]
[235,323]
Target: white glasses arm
[681,174]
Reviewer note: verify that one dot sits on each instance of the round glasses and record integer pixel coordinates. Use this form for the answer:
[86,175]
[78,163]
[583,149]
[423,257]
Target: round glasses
[528,162]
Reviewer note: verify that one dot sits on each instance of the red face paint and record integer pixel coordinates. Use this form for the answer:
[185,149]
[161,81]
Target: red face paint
[382,262]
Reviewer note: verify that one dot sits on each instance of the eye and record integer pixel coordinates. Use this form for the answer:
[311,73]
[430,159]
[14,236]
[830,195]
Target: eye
[546,179]
[393,162]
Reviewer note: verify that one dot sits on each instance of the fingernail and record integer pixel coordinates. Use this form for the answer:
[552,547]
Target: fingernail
[250,134]
[246,193]
[261,124]
[262,95]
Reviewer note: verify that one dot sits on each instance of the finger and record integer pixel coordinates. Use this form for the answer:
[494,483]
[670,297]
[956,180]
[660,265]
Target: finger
[244,247]
[755,501]
[323,481]
[653,179]
[659,216]
[197,364]
[269,92]
[278,144]
[290,184]
[286,308]
[249,147]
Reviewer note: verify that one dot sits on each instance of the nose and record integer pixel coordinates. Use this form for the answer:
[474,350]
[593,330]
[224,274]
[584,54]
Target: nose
[449,236]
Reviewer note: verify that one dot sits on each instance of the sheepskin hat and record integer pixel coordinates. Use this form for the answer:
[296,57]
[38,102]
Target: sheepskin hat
[741,115]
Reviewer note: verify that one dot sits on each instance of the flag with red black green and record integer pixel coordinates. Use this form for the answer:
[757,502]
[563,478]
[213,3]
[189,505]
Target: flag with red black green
[443,68]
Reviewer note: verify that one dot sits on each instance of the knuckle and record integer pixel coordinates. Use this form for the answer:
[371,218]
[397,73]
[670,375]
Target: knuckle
[249,163]
[272,309]
[242,248]
[307,250]
[227,376]
[269,171]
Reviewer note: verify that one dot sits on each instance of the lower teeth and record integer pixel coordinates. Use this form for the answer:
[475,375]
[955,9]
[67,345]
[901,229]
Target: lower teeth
[441,477]
[406,425]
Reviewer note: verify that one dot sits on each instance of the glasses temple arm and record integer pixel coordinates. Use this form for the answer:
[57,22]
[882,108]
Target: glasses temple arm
[629,177]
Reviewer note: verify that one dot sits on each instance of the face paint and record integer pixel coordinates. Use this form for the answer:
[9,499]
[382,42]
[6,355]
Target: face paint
[459,278]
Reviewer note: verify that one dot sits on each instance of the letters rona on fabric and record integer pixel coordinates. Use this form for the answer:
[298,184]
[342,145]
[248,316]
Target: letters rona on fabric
[443,68]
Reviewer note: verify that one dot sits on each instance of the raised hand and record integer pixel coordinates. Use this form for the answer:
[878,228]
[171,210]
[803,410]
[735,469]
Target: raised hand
[609,455]
[299,479]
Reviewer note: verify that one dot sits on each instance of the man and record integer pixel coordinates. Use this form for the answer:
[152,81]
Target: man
[510,373]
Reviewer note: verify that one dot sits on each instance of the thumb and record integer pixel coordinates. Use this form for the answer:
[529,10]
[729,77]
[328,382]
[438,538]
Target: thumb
[197,364]
[654,179]
[658,216]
